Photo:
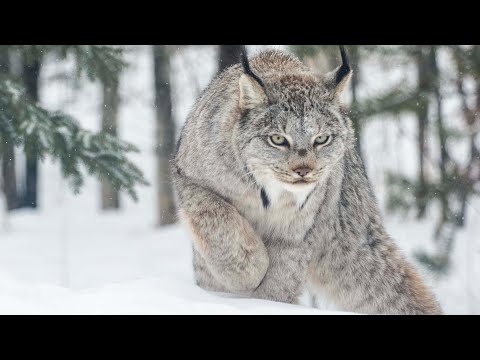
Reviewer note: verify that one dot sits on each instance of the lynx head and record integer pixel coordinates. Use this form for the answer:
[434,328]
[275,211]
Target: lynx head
[293,128]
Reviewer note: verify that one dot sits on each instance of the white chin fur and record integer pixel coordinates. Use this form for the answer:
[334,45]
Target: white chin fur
[277,189]
[298,188]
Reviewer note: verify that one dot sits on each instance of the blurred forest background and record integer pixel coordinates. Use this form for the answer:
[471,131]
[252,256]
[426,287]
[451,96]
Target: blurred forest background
[415,108]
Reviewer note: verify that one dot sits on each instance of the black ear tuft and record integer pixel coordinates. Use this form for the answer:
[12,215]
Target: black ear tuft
[345,68]
[247,69]
[337,80]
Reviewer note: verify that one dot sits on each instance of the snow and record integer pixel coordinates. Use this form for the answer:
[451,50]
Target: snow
[71,258]
[112,267]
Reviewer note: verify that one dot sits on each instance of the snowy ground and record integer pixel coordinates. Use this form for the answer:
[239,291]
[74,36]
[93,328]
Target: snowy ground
[69,257]
[103,265]
[68,260]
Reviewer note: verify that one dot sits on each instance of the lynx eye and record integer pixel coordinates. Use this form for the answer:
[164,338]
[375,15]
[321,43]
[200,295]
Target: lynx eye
[279,140]
[322,140]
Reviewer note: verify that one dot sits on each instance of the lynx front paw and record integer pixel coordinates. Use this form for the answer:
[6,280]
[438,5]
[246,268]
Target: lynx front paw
[243,280]
[244,271]
[255,267]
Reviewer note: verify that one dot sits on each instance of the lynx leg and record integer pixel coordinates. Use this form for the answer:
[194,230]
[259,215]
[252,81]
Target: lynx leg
[226,243]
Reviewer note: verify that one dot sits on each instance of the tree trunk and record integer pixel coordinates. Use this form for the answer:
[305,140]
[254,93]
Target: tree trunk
[447,226]
[423,68]
[442,136]
[165,135]
[31,74]
[7,152]
[111,102]
[466,177]
[9,177]
[229,55]
[355,61]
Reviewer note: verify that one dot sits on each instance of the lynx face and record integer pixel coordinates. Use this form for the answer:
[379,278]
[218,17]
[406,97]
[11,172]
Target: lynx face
[291,137]
[294,149]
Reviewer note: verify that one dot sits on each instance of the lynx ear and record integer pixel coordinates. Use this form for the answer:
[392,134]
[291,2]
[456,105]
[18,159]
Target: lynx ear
[338,79]
[252,91]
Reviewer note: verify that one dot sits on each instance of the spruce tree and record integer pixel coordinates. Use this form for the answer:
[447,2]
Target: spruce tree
[25,123]
[449,183]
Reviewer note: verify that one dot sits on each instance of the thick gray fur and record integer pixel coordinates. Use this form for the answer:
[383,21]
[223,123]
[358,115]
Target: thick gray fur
[259,232]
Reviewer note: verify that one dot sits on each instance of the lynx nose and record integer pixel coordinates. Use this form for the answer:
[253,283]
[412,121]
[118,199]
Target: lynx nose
[302,171]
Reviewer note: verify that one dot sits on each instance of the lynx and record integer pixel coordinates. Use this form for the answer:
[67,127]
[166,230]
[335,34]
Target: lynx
[276,196]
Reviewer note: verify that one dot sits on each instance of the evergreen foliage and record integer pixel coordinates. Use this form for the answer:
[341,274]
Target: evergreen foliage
[79,152]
